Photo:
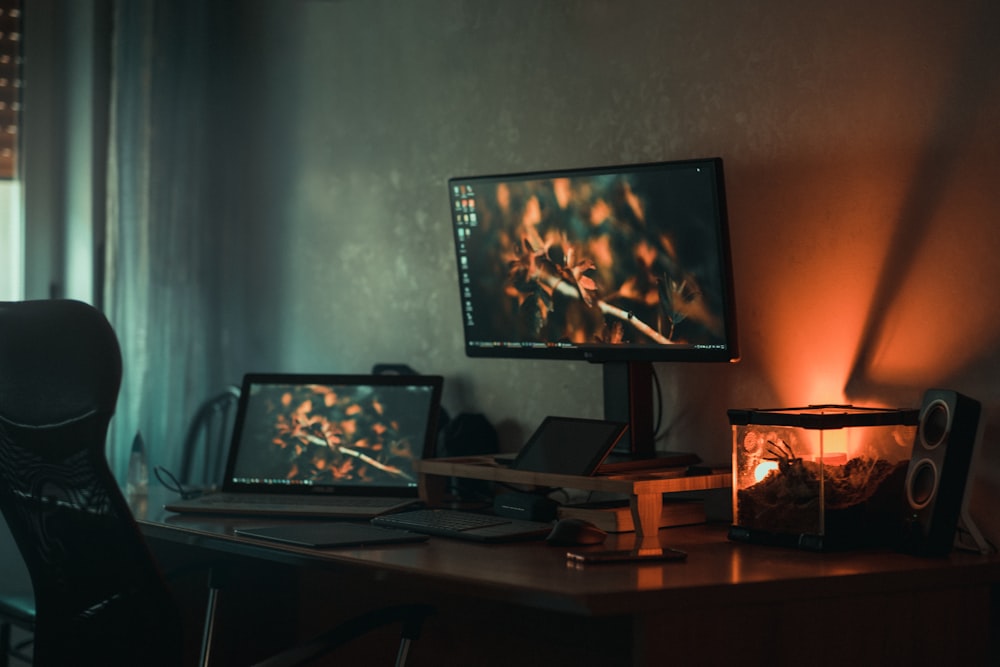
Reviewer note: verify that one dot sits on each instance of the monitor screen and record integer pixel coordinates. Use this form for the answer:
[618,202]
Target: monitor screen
[624,263]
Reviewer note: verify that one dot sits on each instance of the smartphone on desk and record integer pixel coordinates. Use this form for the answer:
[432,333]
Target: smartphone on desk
[624,556]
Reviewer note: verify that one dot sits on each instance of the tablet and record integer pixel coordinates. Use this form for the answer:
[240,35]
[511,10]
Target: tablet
[569,445]
[331,534]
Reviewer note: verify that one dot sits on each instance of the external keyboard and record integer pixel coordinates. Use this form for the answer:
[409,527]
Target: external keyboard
[465,525]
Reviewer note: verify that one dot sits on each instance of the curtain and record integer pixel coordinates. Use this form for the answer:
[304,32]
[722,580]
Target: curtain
[162,287]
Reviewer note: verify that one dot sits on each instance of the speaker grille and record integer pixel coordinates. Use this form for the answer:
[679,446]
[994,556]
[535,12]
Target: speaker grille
[935,425]
[922,484]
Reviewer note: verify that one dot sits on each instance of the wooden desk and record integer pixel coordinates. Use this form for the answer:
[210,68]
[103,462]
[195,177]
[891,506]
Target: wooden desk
[730,603]
[645,489]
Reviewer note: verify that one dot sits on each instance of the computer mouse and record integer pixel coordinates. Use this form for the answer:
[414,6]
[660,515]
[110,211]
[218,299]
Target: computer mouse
[572,532]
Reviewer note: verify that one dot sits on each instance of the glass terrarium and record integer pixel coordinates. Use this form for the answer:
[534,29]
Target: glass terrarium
[820,477]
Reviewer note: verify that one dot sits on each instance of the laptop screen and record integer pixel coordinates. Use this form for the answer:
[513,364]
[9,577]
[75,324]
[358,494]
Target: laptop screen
[351,434]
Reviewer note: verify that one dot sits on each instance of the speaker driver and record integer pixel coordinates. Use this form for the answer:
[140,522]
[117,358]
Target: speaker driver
[935,424]
[922,484]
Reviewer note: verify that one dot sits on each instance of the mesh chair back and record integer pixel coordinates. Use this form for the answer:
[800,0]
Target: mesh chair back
[98,594]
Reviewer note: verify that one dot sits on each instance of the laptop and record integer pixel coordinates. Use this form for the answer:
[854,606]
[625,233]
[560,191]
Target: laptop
[322,445]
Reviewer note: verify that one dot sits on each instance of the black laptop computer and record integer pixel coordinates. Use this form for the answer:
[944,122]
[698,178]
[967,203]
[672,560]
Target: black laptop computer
[336,446]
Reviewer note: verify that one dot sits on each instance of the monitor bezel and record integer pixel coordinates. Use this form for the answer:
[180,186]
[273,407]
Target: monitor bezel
[601,353]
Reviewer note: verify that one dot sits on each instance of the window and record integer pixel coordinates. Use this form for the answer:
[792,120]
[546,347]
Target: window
[11,225]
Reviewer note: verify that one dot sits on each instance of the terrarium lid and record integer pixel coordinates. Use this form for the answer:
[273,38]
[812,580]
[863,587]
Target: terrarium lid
[824,416]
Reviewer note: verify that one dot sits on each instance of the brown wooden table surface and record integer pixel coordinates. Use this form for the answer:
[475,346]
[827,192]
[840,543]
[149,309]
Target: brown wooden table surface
[723,580]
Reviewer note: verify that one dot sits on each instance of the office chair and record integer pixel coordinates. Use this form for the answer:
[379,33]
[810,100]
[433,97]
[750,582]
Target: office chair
[17,603]
[206,442]
[95,584]
[99,595]
[17,610]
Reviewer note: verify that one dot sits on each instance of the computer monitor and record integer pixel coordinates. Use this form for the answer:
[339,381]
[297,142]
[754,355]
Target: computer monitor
[625,266]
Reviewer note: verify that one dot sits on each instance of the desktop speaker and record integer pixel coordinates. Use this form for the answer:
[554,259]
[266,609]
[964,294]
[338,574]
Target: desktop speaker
[938,470]
[468,434]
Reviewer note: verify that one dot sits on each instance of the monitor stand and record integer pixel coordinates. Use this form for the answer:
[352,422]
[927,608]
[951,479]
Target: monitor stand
[628,397]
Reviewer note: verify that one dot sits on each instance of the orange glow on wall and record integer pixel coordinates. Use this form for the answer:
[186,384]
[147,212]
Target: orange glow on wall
[819,286]
[886,289]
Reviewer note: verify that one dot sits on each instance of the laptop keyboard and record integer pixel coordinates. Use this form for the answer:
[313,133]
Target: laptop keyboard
[464,525]
[342,501]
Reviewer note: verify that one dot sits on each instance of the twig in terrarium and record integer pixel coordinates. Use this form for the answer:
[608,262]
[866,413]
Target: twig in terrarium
[779,452]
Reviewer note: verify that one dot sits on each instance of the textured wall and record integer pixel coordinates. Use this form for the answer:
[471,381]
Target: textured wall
[861,148]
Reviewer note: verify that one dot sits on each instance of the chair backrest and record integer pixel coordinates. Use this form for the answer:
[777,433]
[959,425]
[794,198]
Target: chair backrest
[207,440]
[98,593]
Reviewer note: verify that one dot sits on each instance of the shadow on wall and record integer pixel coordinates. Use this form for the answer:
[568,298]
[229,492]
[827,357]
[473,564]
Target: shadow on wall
[931,321]
[875,279]
[939,175]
